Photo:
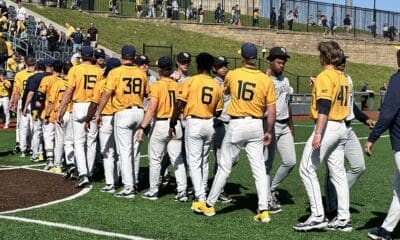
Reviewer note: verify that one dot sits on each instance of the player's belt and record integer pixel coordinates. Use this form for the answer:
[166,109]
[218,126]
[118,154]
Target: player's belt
[348,123]
[197,117]
[245,117]
[162,119]
[134,107]
[3,96]
[283,121]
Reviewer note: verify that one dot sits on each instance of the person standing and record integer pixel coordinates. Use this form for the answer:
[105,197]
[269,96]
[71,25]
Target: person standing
[389,118]
[290,19]
[329,109]
[251,93]
[281,21]
[77,40]
[128,86]
[272,19]
[200,98]
[5,86]
[175,10]
[256,17]
[283,133]
[93,35]
[81,81]
[347,24]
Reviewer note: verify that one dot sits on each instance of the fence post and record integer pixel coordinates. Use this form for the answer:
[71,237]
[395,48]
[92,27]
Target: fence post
[308,12]
[144,49]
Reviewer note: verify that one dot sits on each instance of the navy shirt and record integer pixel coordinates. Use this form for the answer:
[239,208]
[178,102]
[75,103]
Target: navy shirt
[33,84]
[77,37]
[389,117]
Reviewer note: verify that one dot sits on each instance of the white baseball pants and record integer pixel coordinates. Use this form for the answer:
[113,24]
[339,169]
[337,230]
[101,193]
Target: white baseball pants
[37,138]
[159,142]
[64,142]
[198,136]
[26,129]
[18,123]
[247,133]
[353,153]
[107,148]
[5,103]
[283,142]
[393,216]
[125,124]
[331,150]
[84,142]
[49,140]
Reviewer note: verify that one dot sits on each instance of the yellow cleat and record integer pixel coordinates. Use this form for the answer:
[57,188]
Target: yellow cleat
[196,206]
[55,170]
[262,216]
[208,211]
[40,157]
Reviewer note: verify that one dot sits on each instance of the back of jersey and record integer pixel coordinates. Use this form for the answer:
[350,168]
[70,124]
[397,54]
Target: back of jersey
[165,91]
[251,91]
[129,85]
[83,77]
[203,96]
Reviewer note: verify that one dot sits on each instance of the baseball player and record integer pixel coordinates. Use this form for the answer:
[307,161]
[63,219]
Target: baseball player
[107,143]
[200,98]
[53,100]
[25,122]
[162,96]
[283,133]
[5,85]
[99,58]
[251,92]
[81,80]
[329,109]
[352,149]
[31,97]
[128,86]
[389,119]
[221,123]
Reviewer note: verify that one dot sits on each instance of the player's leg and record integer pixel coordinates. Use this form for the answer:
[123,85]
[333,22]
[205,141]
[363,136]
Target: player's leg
[91,146]
[17,129]
[354,154]
[207,131]
[48,135]
[37,138]
[174,149]
[58,147]
[6,104]
[68,140]
[136,161]
[107,146]
[24,132]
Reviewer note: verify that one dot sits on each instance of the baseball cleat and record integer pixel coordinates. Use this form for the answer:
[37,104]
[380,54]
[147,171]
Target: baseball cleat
[274,196]
[49,166]
[343,225]
[196,206]
[71,169]
[379,234]
[224,198]
[312,223]
[82,182]
[55,170]
[181,197]
[201,207]
[17,149]
[262,216]
[150,196]
[126,193]
[273,207]
[109,188]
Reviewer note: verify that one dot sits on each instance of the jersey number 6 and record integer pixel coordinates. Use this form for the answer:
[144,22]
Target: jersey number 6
[206,96]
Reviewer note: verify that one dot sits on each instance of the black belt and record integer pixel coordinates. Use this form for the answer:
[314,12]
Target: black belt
[283,121]
[197,117]
[107,114]
[162,119]
[245,117]
[134,107]
[348,123]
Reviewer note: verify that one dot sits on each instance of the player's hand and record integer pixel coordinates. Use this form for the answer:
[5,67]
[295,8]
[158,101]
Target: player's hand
[171,132]
[312,81]
[46,121]
[139,135]
[60,119]
[87,126]
[371,123]
[98,121]
[267,138]
[368,148]
[24,112]
[13,107]
[316,142]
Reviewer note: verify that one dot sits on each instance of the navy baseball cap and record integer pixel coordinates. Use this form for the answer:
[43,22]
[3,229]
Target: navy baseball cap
[40,64]
[99,53]
[277,52]
[128,51]
[248,51]
[184,57]
[165,63]
[220,61]
[87,51]
[48,62]
[142,59]
[111,64]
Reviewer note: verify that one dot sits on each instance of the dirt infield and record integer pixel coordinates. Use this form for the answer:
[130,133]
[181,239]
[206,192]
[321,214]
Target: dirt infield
[21,188]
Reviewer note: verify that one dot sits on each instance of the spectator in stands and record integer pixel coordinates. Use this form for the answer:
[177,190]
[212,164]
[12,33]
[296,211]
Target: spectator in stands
[68,32]
[219,14]
[12,27]
[41,31]
[76,4]
[3,9]
[21,12]
[256,17]
[319,18]
[194,10]
[3,23]
[201,13]
[325,26]
[347,23]
[372,27]
[53,38]
[151,12]
[392,33]
[139,8]
[332,26]
[385,32]
[3,53]
[272,19]
[290,18]
[281,21]
[93,35]
[12,66]
[77,39]
[113,7]
[310,21]
[175,10]
[164,12]
[20,27]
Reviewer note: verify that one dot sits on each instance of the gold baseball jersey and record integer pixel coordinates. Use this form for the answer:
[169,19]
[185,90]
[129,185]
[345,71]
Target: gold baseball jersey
[20,80]
[165,91]
[331,85]
[4,86]
[203,96]
[46,83]
[11,65]
[82,78]
[129,86]
[98,89]
[55,95]
[251,92]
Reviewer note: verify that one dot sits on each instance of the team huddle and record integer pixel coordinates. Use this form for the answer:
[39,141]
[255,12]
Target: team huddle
[72,116]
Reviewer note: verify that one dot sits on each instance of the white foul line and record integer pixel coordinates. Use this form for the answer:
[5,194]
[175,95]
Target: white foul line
[72,227]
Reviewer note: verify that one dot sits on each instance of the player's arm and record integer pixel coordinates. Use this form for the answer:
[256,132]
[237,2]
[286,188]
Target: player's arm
[323,106]
[362,117]
[28,100]
[49,109]
[291,125]
[178,107]
[67,96]
[151,111]
[270,123]
[14,98]
[105,96]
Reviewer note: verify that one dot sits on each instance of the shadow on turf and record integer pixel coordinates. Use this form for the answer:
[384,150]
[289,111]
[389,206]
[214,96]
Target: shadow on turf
[376,222]
[6,153]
